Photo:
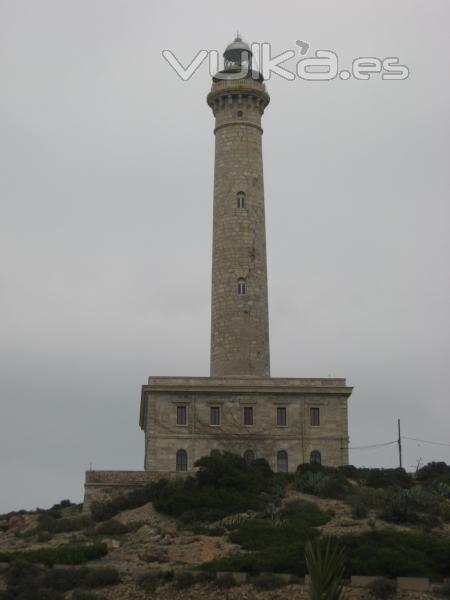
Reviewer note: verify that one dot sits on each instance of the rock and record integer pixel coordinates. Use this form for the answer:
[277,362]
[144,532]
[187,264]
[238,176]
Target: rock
[4,525]
[145,530]
[346,523]
[169,529]
[112,544]
[158,555]
[16,521]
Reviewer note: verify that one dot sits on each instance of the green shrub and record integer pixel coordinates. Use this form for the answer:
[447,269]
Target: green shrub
[276,559]
[100,577]
[226,581]
[184,580]
[400,507]
[27,581]
[204,577]
[319,483]
[85,595]
[69,554]
[308,482]
[267,581]
[444,511]
[233,521]
[14,513]
[383,588]
[276,544]
[445,590]
[200,530]
[433,472]
[333,487]
[412,506]
[308,513]
[391,553]
[373,498]
[102,511]
[216,531]
[22,572]
[224,484]
[51,524]
[383,478]
[315,468]
[44,537]
[149,582]
[442,489]
[359,510]
[63,579]
[259,534]
[349,471]
[112,527]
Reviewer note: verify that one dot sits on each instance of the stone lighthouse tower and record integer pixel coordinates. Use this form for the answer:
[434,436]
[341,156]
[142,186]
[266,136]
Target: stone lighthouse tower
[240,408]
[239,307]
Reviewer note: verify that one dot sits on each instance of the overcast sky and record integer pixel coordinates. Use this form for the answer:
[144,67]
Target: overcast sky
[106,180]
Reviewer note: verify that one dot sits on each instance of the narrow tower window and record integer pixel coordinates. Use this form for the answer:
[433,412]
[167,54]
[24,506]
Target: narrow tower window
[215,415]
[248,415]
[281,416]
[242,287]
[282,461]
[315,458]
[314,416]
[249,456]
[240,199]
[181,460]
[181,415]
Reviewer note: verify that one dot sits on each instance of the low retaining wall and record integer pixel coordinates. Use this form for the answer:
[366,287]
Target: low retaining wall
[104,485]
[357,582]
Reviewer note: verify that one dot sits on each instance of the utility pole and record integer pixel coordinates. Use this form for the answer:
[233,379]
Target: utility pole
[399,444]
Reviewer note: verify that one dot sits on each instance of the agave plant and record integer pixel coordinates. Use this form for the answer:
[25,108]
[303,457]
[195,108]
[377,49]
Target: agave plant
[309,483]
[326,565]
[233,521]
[277,521]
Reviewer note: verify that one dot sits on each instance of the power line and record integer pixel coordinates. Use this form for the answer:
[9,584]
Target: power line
[371,446]
[425,441]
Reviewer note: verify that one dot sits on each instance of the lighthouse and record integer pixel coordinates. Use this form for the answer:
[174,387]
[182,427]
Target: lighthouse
[239,299]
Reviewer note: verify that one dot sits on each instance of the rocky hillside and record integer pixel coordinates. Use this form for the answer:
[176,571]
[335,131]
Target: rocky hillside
[174,546]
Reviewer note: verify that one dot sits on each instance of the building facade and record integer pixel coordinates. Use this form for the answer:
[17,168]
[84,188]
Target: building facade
[240,408]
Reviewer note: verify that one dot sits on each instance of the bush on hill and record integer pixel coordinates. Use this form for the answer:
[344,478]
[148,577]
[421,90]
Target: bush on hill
[69,554]
[27,581]
[224,484]
[413,506]
[323,482]
[274,544]
[434,472]
[391,553]
[51,524]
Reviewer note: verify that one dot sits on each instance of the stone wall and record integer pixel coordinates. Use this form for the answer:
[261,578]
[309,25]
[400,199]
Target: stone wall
[265,438]
[104,485]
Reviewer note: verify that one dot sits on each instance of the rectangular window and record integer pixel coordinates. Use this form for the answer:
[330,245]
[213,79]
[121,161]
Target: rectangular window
[281,416]
[215,415]
[248,415]
[314,416]
[181,415]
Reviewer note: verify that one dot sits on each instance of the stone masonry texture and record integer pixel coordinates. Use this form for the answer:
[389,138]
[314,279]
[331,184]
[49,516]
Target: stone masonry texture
[265,438]
[239,323]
